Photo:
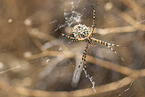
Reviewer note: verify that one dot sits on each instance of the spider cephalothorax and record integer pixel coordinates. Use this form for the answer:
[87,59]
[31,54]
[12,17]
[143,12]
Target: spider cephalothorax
[81,31]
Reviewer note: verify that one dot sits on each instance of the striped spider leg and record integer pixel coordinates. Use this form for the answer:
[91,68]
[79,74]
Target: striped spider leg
[109,45]
[69,37]
[93,23]
[83,62]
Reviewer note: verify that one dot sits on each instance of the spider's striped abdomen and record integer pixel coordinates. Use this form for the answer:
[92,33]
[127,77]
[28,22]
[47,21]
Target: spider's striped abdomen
[81,31]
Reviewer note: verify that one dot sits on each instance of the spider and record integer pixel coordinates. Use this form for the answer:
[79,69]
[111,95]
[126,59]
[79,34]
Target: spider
[83,33]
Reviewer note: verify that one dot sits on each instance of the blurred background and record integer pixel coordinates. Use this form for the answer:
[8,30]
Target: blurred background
[36,61]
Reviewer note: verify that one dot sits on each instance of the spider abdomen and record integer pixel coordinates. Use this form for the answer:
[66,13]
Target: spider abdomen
[81,31]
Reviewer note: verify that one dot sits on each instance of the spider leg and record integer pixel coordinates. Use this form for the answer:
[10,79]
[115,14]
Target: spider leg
[93,23]
[69,37]
[83,62]
[108,45]
[115,52]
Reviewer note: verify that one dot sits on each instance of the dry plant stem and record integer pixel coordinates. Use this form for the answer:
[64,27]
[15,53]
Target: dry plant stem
[109,65]
[84,92]
[35,31]
[37,43]
[40,35]
[53,63]
[43,54]
[126,17]
[113,30]
[36,34]
[132,75]
[78,93]
[131,4]
[130,20]
[135,8]
[102,63]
